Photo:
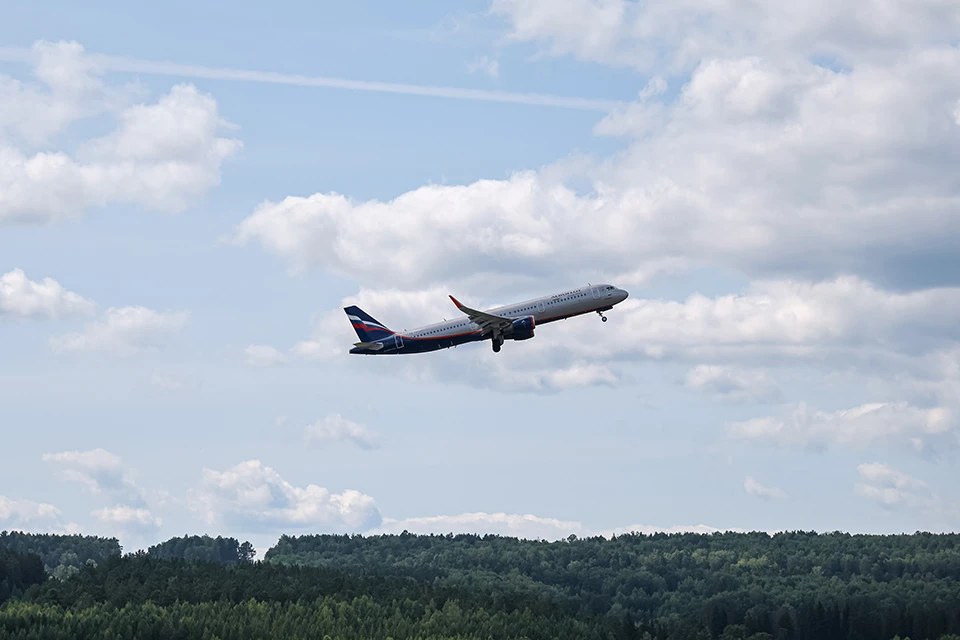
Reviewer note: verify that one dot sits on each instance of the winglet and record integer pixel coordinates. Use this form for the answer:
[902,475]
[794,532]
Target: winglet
[456,302]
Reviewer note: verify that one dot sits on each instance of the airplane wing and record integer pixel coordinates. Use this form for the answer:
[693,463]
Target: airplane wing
[488,322]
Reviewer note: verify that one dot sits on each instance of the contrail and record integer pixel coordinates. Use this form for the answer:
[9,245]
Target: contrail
[136,65]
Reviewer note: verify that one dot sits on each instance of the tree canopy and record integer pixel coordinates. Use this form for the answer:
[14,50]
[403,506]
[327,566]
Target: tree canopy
[204,549]
[62,555]
[790,586]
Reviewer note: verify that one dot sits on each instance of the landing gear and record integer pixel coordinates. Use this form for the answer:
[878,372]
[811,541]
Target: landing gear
[497,341]
[602,317]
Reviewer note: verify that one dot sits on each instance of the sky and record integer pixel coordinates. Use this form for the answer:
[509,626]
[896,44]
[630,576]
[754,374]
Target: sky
[191,193]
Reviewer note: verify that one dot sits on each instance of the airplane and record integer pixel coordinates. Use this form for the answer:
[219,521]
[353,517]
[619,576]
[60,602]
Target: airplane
[511,322]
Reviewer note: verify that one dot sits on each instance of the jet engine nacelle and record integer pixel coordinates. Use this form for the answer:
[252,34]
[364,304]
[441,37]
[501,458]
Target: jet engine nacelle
[522,328]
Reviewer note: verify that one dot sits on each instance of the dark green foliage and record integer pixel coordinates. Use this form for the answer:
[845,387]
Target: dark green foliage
[217,597]
[324,618]
[62,555]
[792,585]
[203,549]
[18,572]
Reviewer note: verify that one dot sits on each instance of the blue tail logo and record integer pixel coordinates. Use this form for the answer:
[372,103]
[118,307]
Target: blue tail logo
[367,328]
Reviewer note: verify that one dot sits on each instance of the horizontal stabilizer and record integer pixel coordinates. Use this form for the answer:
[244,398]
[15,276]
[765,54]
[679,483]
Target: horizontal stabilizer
[374,346]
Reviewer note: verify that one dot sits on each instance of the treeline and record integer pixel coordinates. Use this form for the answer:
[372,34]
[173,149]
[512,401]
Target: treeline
[204,549]
[65,555]
[793,585]
[62,555]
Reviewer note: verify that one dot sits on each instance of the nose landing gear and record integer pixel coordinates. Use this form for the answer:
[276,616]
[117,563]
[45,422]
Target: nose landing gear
[602,317]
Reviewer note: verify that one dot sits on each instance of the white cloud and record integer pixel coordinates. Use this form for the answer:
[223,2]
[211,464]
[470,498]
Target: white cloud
[161,155]
[895,424]
[260,355]
[26,515]
[99,472]
[254,497]
[833,191]
[25,298]
[787,320]
[733,384]
[128,518]
[893,489]
[485,65]
[779,170]
[754,488]
[69,88]
[124,331]
[677,35]
[336,428]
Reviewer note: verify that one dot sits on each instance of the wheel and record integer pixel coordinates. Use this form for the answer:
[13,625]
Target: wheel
[496,346]
[604,318]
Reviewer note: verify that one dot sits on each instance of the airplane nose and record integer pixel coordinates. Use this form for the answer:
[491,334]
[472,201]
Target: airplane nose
[622,295]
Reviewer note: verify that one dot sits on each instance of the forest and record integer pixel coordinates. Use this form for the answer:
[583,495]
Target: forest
[62,555]
[203,548]
[794,585]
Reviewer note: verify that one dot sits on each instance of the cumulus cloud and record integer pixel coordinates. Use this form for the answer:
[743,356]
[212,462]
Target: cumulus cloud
[98,472]
[733,384]
[128,518]
[24,298]
[161,155]
[832,190]
[769,168]
[677,35]
[336,428]
[69,87]
[782,319]
[754,488]
[124,331]
[253,497]
[893,489]
[895,424]
[26,515]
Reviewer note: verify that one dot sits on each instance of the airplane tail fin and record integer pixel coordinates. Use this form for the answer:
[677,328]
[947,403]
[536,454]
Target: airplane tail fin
[367,328]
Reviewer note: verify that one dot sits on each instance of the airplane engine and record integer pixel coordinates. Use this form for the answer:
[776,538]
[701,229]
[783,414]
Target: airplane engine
[522,328]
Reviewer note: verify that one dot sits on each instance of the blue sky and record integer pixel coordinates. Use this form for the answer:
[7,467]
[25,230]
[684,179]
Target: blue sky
[176,249]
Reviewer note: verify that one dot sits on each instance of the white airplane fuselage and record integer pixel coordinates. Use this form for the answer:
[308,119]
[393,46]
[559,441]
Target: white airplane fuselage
[509,322]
